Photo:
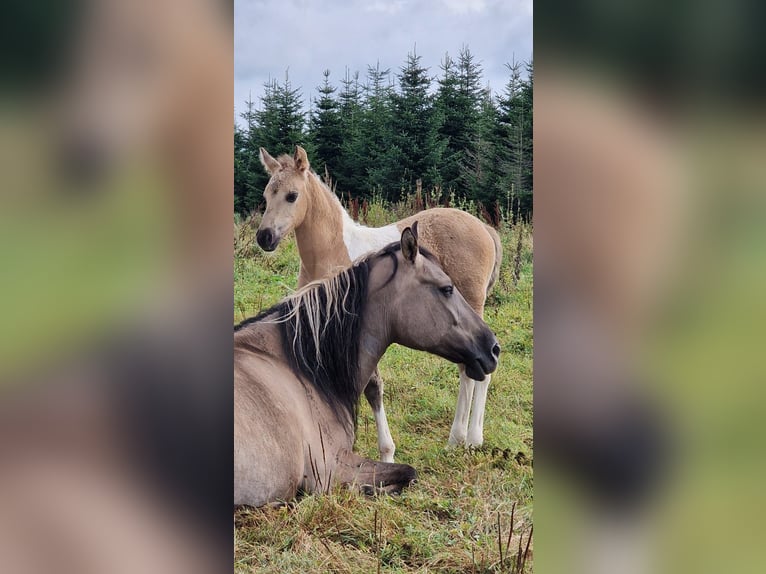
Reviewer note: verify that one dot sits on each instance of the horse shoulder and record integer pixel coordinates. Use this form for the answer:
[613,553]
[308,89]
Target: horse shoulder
[268,437]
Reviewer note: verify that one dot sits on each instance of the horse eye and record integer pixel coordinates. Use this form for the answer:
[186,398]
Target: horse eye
[447,290]
[291,197]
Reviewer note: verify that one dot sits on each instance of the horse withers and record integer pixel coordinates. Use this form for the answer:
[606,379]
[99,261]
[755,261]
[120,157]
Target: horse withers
[328,239]
[301,367]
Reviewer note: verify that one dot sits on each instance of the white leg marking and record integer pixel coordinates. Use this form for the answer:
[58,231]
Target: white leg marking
[476,426]
[460,424]
[386,446]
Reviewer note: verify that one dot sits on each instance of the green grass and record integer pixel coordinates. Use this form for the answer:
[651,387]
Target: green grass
[448,520]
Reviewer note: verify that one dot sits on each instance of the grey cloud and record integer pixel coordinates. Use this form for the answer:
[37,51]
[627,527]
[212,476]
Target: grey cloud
[272,36]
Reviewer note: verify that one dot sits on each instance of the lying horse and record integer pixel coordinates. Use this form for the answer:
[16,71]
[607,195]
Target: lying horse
[328,239]
[301,366]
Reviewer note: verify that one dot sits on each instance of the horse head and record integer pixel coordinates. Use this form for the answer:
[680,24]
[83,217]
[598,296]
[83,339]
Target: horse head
[426,312]
[286,196]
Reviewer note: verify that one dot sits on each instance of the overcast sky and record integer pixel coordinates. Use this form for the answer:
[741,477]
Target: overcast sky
[309,36]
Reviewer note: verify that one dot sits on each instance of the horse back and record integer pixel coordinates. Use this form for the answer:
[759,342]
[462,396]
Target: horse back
[268,441]
[464,247]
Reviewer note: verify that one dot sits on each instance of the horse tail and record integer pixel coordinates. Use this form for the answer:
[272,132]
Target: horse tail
[498,256]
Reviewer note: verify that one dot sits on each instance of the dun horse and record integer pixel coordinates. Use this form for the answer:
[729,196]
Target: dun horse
[328,240]
[301,366]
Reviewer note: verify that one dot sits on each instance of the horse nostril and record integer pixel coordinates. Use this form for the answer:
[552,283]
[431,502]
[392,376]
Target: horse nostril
[496,350]
[264,237]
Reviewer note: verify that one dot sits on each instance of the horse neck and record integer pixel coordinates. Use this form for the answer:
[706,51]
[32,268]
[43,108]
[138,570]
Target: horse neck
[374,336]
[260,336]
[320,235]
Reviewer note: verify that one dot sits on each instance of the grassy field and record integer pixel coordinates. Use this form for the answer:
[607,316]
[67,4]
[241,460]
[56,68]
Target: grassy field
[470,511]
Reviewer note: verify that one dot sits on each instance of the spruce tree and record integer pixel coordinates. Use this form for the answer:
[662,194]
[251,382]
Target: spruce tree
[278,126]
[381,138]
[350,174]
[415,128]
[248,174]
[380,153]
[527,164]
[281,118]
[241,172]
[514,142]
[479,172]
[459,100]
[326,129]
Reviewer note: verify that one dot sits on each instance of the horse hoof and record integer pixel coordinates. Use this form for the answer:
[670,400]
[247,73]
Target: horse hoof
[474,443]
[453,442]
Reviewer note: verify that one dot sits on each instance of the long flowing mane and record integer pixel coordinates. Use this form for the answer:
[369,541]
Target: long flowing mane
[320,326]
[321,335]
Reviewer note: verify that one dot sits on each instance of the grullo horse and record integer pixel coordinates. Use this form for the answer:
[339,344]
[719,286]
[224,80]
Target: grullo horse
[301,367]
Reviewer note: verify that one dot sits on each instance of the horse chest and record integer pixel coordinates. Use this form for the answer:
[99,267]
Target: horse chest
[361,240]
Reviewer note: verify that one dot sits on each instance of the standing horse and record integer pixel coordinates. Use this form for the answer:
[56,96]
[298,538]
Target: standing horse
[301,366]
[328,240]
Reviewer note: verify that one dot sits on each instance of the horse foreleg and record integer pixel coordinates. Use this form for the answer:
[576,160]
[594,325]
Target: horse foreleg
[371,476]
[476,425]
[459,429]
[374,394]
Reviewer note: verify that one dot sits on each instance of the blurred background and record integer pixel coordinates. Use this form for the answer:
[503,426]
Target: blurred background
[650,252]
[115,289]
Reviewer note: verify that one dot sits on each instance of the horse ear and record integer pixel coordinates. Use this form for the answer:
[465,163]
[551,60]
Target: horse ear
[269,163]
[415,229]
[410,244]
[301,159]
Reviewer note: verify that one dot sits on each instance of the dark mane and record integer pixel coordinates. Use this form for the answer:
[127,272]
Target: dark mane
[277,309]
[320,329]
[333,366]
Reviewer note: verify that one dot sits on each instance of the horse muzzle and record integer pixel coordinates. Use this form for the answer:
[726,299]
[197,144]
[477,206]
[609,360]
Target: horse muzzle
[267,239]
[484,362]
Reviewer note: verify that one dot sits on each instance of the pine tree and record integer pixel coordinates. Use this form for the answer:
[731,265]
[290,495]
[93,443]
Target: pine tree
[513,134]
[278,126]
[452,129]
[380,138]
[248,174]
[241,173]
[479,172]
[350,174]
[380,154]
[527,165]
[326,129]
[415,128]
[459,100]
[281,118]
